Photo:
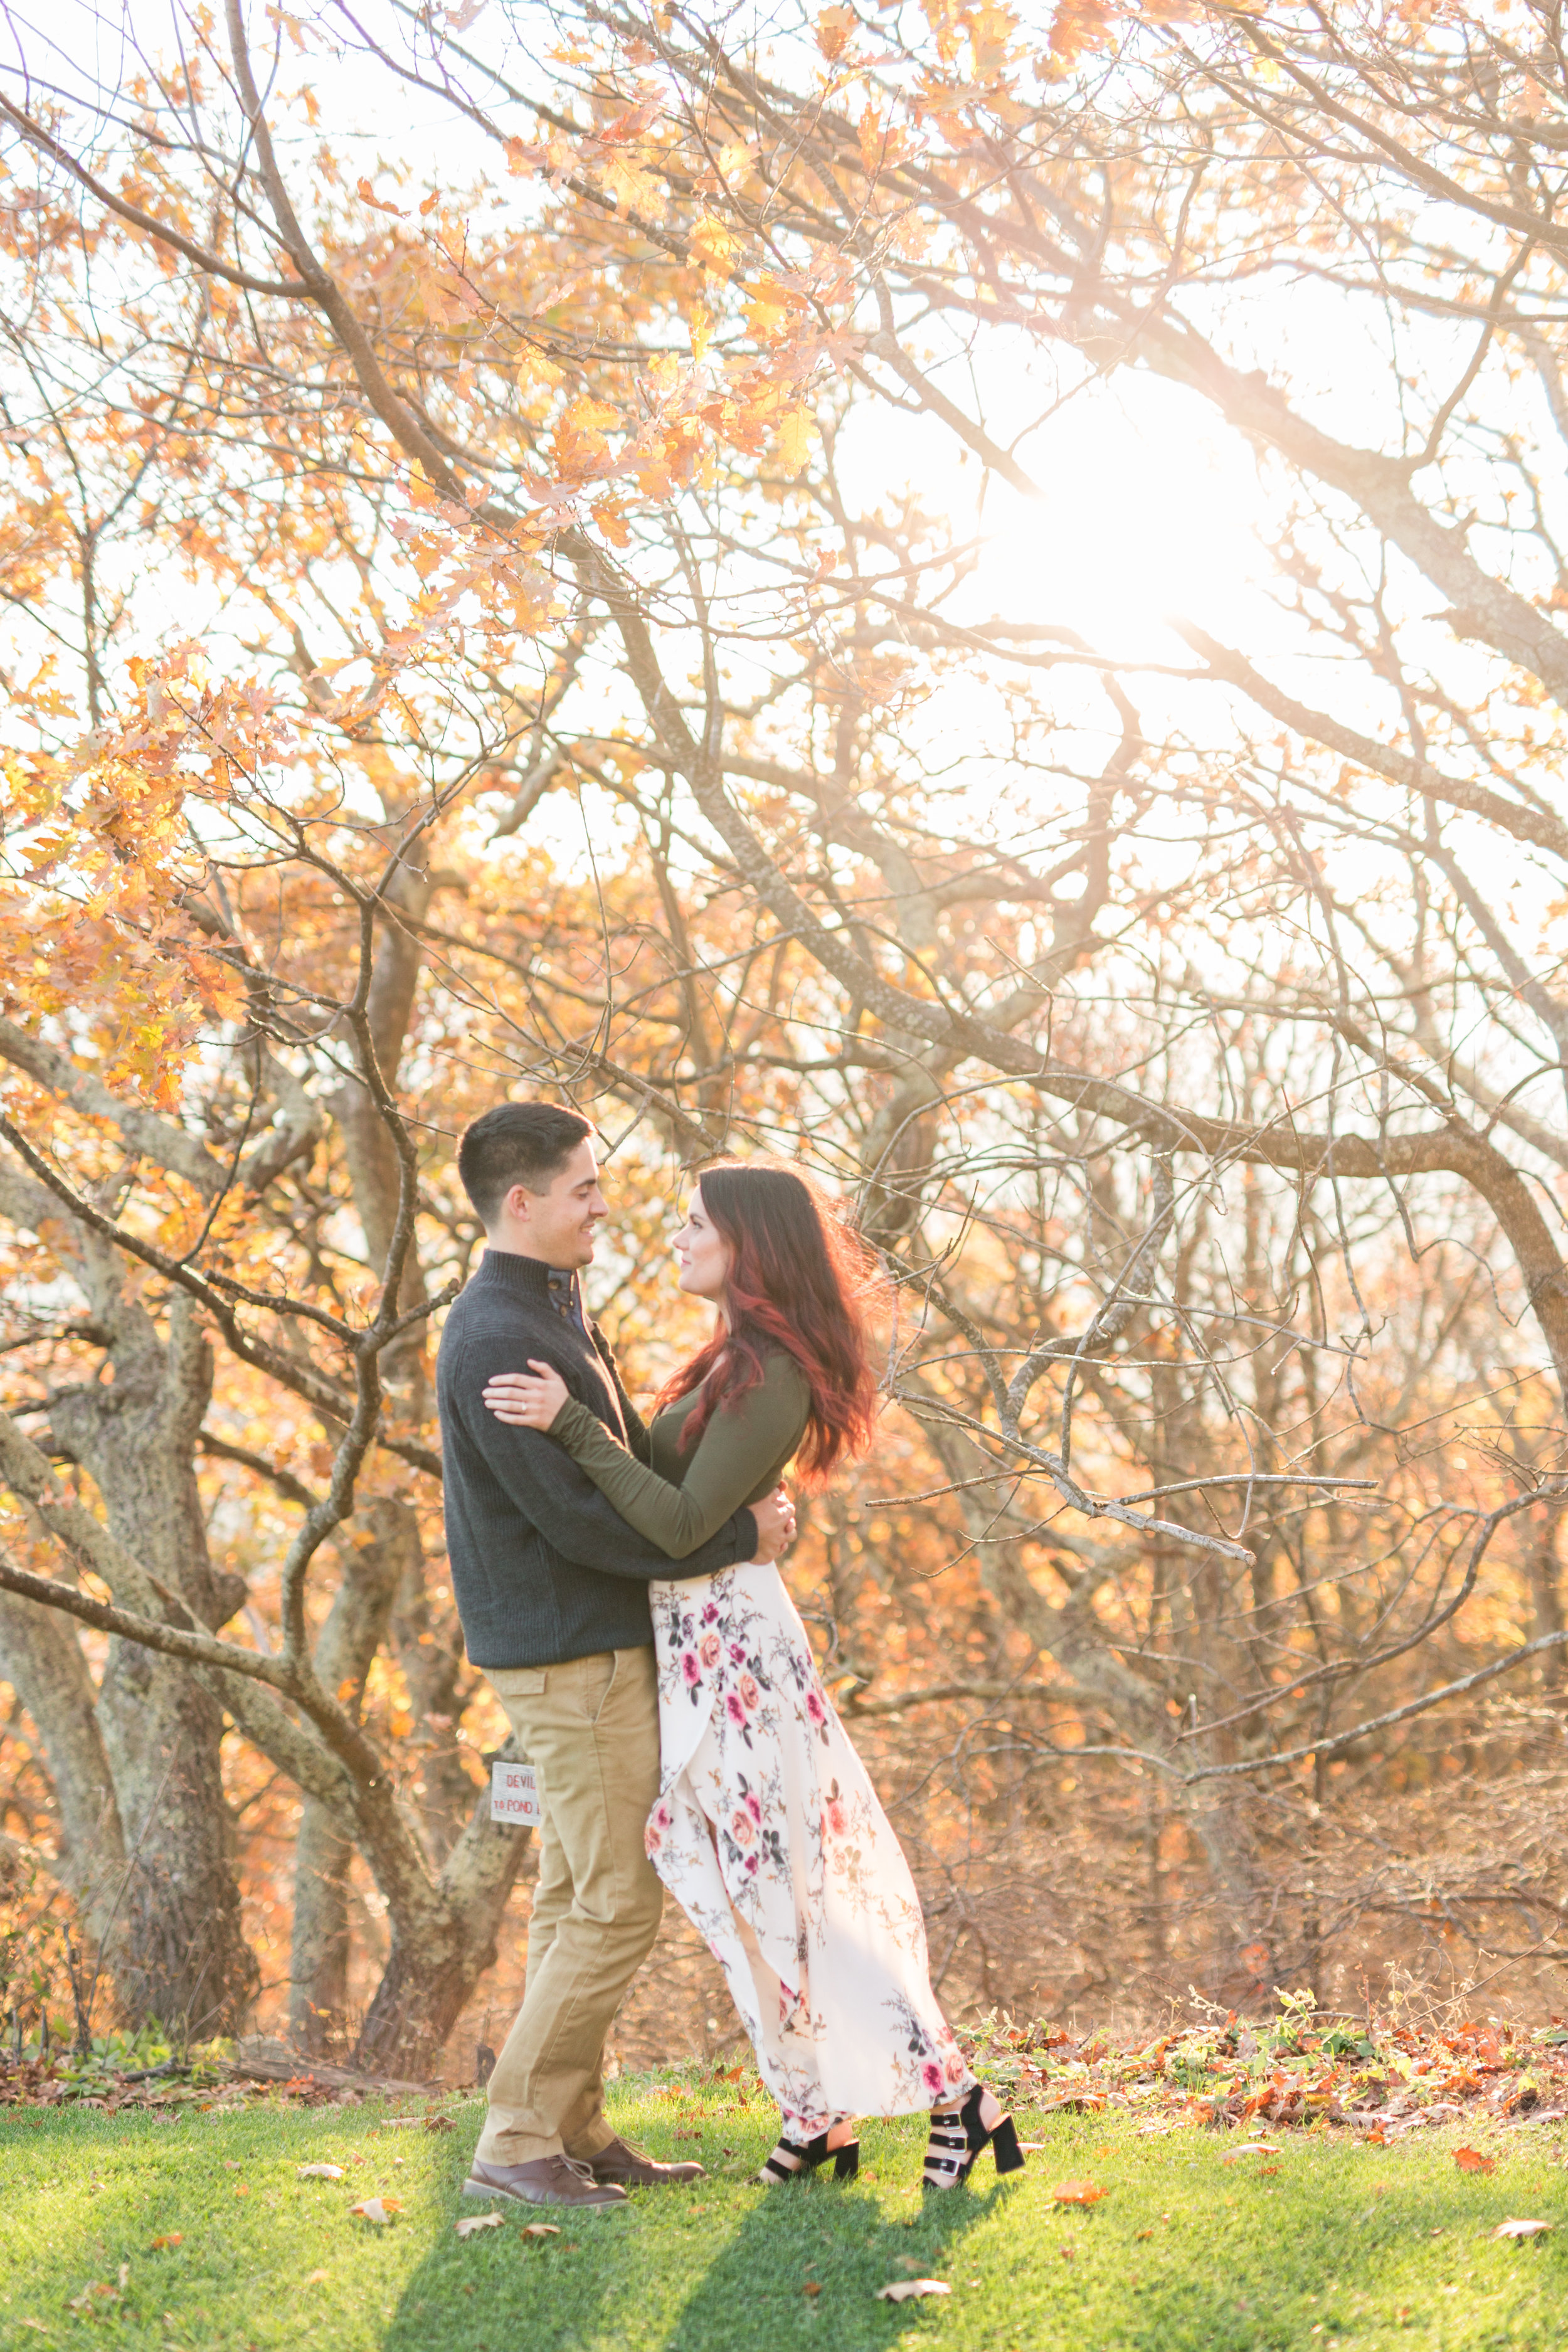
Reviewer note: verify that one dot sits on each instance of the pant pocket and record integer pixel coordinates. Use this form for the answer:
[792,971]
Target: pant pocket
[518,1682]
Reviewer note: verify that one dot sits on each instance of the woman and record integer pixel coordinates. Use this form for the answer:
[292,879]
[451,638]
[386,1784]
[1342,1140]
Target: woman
[767,1830]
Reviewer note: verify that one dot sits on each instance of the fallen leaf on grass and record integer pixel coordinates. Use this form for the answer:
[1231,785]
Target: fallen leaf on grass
[539,2229]
[175,2238]
[90,2302]
[1264,2170]
[472,2222]
[1249,2148]
[401,2122]
[316,2278]
[1076,2192]
[811,2287]
[1032,2147]
[439,2123]
[240,2189]
[379,2209]
[1521,2229]
[906,2290]
[320,2171]
[1471,2159]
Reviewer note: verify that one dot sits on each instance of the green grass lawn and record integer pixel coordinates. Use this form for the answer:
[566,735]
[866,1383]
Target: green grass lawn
[1336,2244]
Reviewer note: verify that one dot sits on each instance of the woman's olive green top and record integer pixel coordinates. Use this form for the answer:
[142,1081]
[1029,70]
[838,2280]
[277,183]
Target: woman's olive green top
[739,1458]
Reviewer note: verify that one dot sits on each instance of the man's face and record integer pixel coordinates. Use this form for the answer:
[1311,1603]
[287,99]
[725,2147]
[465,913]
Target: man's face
[557,1225]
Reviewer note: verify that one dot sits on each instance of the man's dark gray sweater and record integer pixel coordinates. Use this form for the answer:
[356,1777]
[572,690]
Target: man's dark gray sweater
[543,1569]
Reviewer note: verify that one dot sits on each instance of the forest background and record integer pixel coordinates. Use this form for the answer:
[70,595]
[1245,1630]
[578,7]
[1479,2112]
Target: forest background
[971,596]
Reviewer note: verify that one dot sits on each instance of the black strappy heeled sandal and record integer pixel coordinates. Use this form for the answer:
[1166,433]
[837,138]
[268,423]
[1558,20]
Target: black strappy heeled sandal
[958,2134]
[792,2159]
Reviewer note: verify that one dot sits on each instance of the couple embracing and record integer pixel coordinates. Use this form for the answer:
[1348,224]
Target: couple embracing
[617,1585]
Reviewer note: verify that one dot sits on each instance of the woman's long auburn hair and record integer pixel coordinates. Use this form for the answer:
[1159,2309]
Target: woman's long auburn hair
[797,1275]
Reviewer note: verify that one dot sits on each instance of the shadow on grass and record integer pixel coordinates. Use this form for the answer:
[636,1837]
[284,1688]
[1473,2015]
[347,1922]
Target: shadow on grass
[717,2267]
[806,2262]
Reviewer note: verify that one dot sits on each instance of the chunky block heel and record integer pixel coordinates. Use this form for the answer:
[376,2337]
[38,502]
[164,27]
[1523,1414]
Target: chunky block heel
[1004,2147]
[958,2134]
[792,2159]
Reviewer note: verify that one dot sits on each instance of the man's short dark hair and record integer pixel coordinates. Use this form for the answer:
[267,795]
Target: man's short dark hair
[525,1143]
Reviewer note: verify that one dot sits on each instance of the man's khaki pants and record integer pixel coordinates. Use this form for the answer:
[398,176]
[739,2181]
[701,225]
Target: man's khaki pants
[591,1730]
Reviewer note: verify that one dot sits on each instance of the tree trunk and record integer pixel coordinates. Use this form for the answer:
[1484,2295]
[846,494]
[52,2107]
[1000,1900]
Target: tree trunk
[432,1970]
[319,1965]
[42,1659]
[182,1956]
[319,1954]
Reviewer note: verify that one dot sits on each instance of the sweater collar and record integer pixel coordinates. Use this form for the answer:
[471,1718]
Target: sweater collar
[523,1278]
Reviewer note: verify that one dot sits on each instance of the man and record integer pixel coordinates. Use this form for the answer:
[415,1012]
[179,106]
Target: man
[552,1587]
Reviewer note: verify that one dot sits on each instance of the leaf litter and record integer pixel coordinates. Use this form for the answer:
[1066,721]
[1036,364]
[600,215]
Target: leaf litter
[1378,2077]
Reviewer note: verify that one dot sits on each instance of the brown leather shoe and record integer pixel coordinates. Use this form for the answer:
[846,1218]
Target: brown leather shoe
[548,2180]
[628,2168]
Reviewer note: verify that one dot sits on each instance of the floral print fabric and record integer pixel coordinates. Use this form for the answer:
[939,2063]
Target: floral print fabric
[769,1836]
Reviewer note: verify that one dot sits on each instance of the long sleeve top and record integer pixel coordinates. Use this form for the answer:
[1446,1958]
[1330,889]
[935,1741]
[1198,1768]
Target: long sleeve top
[678,1499]
[544,1567]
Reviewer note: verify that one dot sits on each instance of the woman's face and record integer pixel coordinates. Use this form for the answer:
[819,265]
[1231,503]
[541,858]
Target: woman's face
[701,1252]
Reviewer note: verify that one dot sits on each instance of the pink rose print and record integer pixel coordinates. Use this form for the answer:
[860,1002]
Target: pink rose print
[711,1649]
[737,1653]
[816,1707]
[689,1668]
[651,1841]
[750,1695]
[754,1806]
[734,1709]
[742,1829]
[750,1864]
[952,2067]
[710,1611]
[932,2076]
[834,1820]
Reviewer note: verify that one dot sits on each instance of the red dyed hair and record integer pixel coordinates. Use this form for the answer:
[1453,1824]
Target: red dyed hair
[797,1277]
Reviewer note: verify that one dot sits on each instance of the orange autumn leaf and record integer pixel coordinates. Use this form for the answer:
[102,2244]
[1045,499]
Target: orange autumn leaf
[379,2209]
[1076,2192]
[1471,2159]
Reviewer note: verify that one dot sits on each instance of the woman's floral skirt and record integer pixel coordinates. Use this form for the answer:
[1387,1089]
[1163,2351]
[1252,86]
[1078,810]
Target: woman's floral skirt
[769,1836]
